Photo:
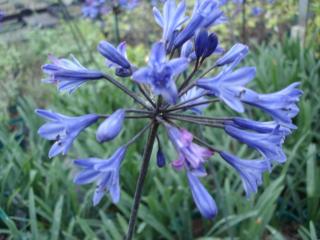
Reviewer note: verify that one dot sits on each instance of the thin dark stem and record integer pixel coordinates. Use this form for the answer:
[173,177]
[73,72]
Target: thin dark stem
[196,117]
[137,111]
[146,96]
[126,90]
[185,107]
[185,102]
[207,71]
[142,175]
[139,134]
[186,82]
[198,122]
[116,26]
[197,139]
[186,89]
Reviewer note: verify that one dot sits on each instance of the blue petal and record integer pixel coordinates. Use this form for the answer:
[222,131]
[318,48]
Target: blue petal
[158,54]
[86,177]
[202,198]
[142,75]
[111,53]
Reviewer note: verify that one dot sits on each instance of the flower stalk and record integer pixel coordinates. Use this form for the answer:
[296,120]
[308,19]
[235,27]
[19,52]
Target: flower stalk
[142,175]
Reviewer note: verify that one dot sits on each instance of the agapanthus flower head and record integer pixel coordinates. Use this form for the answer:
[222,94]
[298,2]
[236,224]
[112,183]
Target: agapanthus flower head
[111,127]
[105,172]
[63,129]
[160,73]
[116,58]
[205,203]
[67,74]
[250,171]
[172,90]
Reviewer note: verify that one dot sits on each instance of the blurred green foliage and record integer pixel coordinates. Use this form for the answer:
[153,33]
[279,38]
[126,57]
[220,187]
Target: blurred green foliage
[39,200]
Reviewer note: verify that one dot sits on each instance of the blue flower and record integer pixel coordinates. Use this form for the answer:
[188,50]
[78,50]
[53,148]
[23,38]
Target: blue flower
[93,8]
[173,17]
[281,105]
[228,85]
[205,203]
[268,144]
[261,127]
[256,11]
[191,155]
[236,53]
[67,74]
[105,172]
[205,14]
[187,51]
[63,129]
[250,171]
[192,94]
[160,73]
[116,58]
[111,127]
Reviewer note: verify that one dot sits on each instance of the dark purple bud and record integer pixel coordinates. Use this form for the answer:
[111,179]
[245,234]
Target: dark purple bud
[212,45]
[123,72]
[161,160]
[201,42]
[111,127]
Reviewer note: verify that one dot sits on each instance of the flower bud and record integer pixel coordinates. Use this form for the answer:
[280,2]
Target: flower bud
[161,161]
[111,127]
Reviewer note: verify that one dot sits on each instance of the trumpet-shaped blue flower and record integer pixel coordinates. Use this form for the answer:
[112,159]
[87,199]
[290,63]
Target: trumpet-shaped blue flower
[268,144]
[205,14]
[198,95]
[191,155]
[116,58]
[63,129]
[281,105]
[111,127]
[228,85]
[67,74]
[160,73]
[250,171]
[203,200]
[236,53]
[105,172]
[173,17]
[261,127]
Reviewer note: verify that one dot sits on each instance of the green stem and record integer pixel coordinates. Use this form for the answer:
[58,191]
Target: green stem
[116,26]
